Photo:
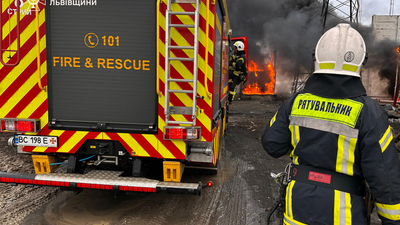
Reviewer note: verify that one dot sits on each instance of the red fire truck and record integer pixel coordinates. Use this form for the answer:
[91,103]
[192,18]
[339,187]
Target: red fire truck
[112,88]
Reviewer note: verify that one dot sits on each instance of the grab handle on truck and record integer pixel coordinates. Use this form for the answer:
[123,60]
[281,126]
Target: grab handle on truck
[17,51]
[158,49]
[38,49]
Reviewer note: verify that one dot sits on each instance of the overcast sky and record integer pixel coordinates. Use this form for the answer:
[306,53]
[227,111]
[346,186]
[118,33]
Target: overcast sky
[371,7]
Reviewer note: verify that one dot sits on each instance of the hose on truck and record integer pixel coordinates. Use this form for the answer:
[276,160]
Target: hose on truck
[51,164]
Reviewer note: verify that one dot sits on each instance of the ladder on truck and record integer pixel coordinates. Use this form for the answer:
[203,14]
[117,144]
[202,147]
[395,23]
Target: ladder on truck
[169,110]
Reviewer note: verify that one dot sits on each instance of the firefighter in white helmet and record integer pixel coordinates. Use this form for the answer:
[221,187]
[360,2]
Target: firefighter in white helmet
[237,69]
[338,139]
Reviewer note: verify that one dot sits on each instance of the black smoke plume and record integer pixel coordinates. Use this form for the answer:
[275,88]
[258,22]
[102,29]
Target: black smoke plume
[384,59]
[293,28]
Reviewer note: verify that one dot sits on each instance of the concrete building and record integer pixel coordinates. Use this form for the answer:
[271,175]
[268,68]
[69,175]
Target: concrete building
[385,27]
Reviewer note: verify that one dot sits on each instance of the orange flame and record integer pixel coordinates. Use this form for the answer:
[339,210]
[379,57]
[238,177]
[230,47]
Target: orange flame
[265,89]
[398,50]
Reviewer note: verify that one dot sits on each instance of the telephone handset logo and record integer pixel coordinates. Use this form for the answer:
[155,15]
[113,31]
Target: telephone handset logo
[91,40]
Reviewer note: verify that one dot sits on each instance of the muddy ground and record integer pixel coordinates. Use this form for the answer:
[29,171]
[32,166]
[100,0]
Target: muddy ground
[242,191]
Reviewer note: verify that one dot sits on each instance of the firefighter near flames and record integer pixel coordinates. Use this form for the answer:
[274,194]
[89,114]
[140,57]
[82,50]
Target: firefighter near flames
[116,98]
[237,68]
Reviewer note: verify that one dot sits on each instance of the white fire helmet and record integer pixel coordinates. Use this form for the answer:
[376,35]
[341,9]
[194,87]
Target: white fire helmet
[341,50]
[239,45]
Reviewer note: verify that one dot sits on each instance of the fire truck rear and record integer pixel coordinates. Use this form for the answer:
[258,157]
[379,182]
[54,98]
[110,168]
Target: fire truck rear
[111,89]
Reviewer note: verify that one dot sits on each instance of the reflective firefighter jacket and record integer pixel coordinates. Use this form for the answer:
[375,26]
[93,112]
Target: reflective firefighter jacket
[346,135]
[239,63]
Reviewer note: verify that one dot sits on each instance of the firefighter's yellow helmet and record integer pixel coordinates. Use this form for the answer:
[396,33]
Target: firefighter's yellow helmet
[341,50]
[239,45]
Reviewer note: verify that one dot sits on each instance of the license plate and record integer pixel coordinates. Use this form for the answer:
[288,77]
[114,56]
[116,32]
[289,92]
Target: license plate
[31,140]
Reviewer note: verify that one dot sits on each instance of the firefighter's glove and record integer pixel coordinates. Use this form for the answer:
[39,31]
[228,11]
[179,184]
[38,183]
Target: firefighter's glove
[242,78]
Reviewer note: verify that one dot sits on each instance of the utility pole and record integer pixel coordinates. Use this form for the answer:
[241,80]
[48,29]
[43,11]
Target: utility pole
[346,11]
[391,8]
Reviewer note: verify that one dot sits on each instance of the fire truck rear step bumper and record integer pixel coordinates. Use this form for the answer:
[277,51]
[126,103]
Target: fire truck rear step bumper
[101,179]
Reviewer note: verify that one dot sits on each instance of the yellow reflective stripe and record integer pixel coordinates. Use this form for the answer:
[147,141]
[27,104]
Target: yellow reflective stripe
[27,59]
[33,105]
[386,139]
[344,111]
[336,208]
[351,156]
[288,199]
[391,212]
[137,149]
[348,208]
[297,133]
[226,89]
[216,144]
[342,208]
[345,155]
[44,119]
[105,136]
[273,120]
[5,5]
[339,157]
[203,13]
[290,221]
[387,206]
[219,26]
[164,152]
[350,68]
[241,59]
[72,141]
[295,159]
[327,66]
[295,140]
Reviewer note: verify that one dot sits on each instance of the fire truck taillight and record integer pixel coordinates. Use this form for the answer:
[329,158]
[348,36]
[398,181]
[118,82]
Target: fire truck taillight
[20,125]
[182,133]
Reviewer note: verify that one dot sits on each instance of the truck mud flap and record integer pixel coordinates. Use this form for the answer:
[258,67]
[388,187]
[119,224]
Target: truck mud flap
[101,179]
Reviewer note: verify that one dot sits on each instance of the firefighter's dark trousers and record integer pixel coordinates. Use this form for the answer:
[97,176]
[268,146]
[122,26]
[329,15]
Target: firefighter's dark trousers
[233,83]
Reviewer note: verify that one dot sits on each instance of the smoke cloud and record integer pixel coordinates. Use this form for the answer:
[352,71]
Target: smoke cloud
[293,28]
[383,58]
